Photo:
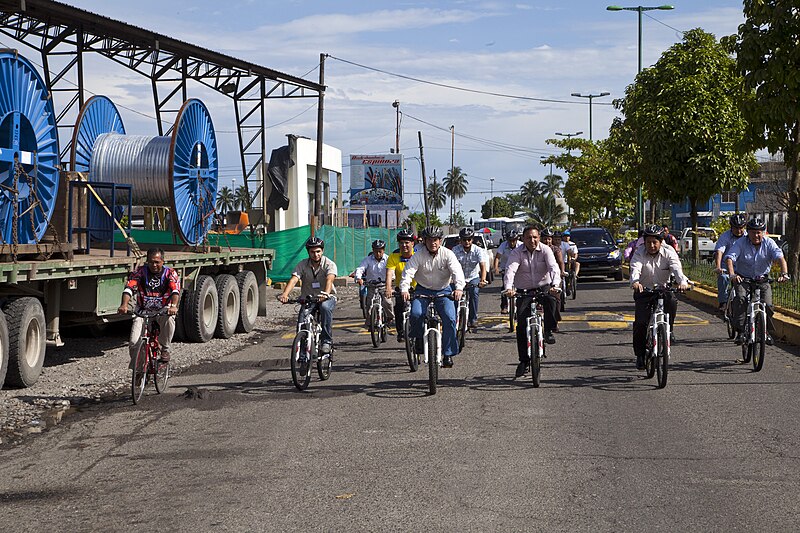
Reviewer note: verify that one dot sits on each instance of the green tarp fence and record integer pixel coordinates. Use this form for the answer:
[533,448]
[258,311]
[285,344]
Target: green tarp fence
[345,246]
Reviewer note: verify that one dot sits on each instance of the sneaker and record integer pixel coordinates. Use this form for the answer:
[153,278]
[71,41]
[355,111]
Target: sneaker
[671,338]
[769,340]
[164,356]
[639,362]
[739,340]
[327,348]
[522,369]
[548,337]
[419,348]
[400,337]
[473,325]
[447,362]
[504,310]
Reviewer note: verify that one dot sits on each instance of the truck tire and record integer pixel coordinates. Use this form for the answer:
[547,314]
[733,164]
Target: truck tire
[229,306]
[203,307]
[3,349]
[248,298]
[27,333]
[180,325]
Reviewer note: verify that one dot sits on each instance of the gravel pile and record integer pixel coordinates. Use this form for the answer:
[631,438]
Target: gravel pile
[93,370]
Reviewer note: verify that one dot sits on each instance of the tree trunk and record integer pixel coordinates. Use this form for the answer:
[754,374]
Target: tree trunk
[695,248]
[652,211]
[793,234]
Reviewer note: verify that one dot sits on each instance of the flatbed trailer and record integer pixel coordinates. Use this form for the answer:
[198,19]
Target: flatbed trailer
[223,290]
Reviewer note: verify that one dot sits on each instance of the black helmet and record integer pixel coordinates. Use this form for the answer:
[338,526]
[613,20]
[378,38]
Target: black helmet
[654,230]
[466,233]
[404,235]
[432,232]
[546,232]
[513,234]
[756,223]
[738,220]
[378,244]
[557,234]
[315,242]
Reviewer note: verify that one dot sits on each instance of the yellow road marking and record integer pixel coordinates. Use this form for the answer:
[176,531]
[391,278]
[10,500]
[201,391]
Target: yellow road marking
[608,324]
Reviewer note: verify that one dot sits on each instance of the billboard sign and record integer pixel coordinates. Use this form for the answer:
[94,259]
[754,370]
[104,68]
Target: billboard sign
[376,181]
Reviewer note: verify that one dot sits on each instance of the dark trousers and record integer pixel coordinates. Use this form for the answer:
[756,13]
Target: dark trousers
[641,320]
[739,305]
[399,307]
[549,306]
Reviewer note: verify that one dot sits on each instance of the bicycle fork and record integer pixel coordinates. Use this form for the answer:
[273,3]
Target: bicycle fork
[533,323]
[438,336]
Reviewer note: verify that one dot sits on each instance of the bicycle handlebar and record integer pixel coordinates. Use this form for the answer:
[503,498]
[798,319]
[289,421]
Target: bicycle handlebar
[305,300]
[150,313]
[432,297]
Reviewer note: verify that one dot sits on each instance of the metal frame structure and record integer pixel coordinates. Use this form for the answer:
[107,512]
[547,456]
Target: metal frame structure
[62,34]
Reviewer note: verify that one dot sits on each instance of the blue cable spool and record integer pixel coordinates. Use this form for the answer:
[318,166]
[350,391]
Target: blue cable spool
[179,171]
[29,157]
[97,116]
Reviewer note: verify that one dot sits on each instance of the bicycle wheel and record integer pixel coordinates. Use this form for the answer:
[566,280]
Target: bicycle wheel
[139,374]
[433,363]
[536,359]
[512,314]
[747,352]
[760,344]
[662,357]
[301,360]
[374,327]
[161,376]
[573,285]
[383,332]
[729,325]
[413,358]
[649,358]
[324,367]
[362,298]
[461,329]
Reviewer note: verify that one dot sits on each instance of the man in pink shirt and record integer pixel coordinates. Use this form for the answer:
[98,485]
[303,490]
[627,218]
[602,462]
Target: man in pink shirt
[531,266]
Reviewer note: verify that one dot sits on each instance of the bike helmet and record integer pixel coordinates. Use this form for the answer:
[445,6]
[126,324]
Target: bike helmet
[654,230]
[432,232]
[738,220]
[565,233]
[546,232]
[466,233]
[315,242]
[557,234]
[513,234]
[378,244]
[404,235]
[756,223]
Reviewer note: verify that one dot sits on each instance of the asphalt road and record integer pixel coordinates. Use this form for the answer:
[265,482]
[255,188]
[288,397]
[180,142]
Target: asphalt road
[597,447]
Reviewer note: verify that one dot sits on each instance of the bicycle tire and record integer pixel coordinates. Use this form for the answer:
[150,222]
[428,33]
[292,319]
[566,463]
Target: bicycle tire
[573,285]
[324,368]
[301,371]
[649,359]
[161,377]
[433,363]
[747,352]
[662,357]
[461,331]
[563,301]
[139,373]
[760,345]
[729,325]
[536,360]
[512,314]
[374,328]
[413,358]
[362,298]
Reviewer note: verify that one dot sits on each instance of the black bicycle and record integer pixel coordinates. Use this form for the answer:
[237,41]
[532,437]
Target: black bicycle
[148,364]
[534,329]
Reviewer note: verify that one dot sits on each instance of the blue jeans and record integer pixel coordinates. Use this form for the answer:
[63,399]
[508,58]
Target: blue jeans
[474,291]
[723,282]
[325,318]
[447,312]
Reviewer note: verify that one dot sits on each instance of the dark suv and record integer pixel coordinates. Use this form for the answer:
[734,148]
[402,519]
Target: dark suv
[598,253]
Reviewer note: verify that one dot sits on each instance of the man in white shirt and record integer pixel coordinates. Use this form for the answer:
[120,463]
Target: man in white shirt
[475,263]
[653,264]
[372,271]
[433,267]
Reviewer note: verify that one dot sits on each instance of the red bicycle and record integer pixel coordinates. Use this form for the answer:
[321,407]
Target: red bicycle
[147,364]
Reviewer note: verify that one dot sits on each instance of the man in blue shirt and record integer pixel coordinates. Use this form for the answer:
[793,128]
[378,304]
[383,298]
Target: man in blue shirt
[752,258]
[474,262]
[724,243]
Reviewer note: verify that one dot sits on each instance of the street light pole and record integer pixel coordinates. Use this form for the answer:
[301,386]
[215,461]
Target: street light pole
[569,136]
[542,158]
[640,10]
[491,196]
[591,97]
[396,105]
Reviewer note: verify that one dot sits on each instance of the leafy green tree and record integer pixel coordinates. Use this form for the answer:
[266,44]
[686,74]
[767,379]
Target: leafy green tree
[225,200]
[768,57]
[502,208]
[545,211]
[684,115]
[416,221]
[455,185]
[515,201]
[437,197]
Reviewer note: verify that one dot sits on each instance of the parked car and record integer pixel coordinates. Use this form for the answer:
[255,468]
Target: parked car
[480,239]
[706,240]
[598,252]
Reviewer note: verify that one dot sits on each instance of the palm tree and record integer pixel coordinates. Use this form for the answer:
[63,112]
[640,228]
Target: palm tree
[242,199]
[529,191]
[225,200]
[437,197]
[455,185]
[545,211]
[553,185]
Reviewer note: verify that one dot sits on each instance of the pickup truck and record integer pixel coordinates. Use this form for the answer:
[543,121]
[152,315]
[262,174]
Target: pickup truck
[706,241]
[480,240]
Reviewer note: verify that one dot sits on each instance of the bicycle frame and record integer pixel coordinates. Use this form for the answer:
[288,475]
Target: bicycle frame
[756,313]
[534,329]
[658,318]
[311,324]
[432,324]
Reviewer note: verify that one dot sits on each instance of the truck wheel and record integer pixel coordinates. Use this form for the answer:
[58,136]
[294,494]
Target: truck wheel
[248,297]
[229,306]
[203,306]
[180,325]
[3,349]
[26,341]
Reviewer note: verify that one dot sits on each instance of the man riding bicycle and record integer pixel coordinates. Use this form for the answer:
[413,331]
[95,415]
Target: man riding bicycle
[570,252]
[724,243]
[372,270]
[157,286]
[532,266]
[433,267]
[653,264]
[501,260]
[316,274]
[394,273]
[474,262]
[752,257]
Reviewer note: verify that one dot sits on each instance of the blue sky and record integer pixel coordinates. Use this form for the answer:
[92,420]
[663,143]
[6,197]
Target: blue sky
[534,48]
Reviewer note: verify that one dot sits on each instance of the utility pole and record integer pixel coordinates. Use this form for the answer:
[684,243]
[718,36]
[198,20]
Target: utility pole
[396,105]
[424,182]
[318,164]
[491,196]
[591,97]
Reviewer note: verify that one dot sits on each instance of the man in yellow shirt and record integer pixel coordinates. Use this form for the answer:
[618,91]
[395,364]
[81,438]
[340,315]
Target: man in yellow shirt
[394,272]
